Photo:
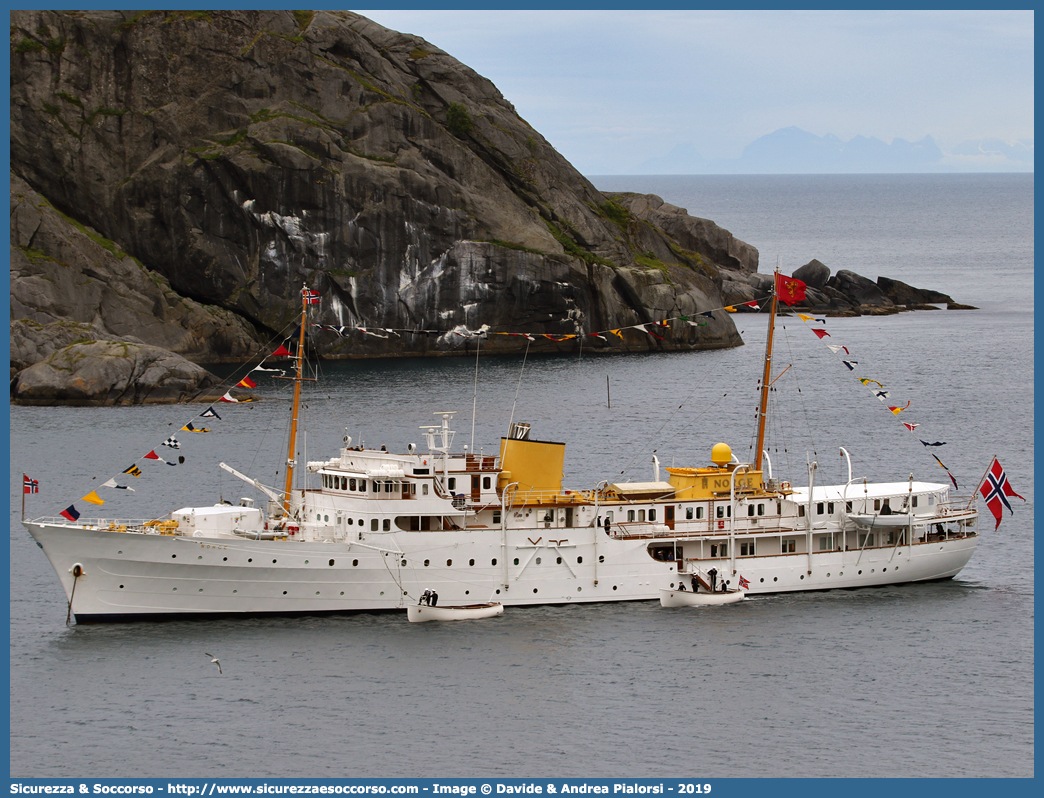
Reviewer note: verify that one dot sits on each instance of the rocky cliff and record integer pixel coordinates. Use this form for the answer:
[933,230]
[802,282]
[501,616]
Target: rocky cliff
[178,176]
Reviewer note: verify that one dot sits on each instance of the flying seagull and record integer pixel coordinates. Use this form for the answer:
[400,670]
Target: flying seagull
[215,660]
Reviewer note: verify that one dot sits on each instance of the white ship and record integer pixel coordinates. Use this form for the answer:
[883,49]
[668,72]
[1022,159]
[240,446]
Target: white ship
[371,530]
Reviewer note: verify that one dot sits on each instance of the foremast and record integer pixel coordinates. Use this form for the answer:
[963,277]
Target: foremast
[765,379]
[298,379]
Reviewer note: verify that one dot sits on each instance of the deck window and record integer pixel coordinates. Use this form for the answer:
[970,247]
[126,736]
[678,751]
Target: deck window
[789,546]
[914,501]
[866,539]
[699,512]
[630,515]
[452,483]
[362,485]
[825,543]
[688,513]
[485,483]
[761,509]
[387,525]
[351,484]
[750,510]
[819,508]
[652,515]
[609,516]
[373,524]
[747,549]
[720,512]
[496,516]
[877,505]
[424,489]
[848,507]
[801,511]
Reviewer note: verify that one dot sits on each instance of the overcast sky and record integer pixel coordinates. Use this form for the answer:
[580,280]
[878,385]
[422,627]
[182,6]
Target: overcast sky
[610,89]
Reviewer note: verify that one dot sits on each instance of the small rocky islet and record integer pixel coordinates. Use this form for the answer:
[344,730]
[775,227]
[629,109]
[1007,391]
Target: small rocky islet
[177,176]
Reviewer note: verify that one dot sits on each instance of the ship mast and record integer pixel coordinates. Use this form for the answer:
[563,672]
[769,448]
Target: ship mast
[297,402]
[765,377]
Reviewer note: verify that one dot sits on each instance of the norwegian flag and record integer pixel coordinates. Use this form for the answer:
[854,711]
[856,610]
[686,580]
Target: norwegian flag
[995,488]
[312,296]
[30,485]
[743,583]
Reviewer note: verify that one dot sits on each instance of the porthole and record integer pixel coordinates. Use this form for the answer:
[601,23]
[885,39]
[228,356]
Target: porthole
[558,560]
[467,592]
[579,589]
[672,585]
[331,563]
[405,592]
[883,570]
[471,562]
[284,592]
[200,557]
[173,556]
[775,579]
[842,573]
[121,587]
[250,559]
[403,563]
[119,552]
[175,590]
[201,590]
[493,562]
[317,592]
[534,590]
[538,561]
[427,563]
[579,560]
[860,573]
[762,579]
[235,591]
[224,559]
[342,592]
[354,563]
[382,592]
[601,558]
[614,587]
[516,561]
[498,591]
[273,562]
[306,562]
[871,570]
[802,576]
[449,563]
[828,576]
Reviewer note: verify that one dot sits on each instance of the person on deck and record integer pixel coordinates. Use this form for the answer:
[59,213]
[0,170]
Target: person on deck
[713,574]
[694,583]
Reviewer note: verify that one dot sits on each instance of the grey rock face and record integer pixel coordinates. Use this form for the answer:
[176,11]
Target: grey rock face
[902,294]
[813,274]
[859,288]
[111,373]
[242,154]
[69,283]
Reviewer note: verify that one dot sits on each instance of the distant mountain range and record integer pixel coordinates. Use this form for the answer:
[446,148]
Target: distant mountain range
[792,150]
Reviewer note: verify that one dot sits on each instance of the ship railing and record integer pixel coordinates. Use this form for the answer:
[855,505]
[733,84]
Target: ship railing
[523,498]
[481,462]
[155,525]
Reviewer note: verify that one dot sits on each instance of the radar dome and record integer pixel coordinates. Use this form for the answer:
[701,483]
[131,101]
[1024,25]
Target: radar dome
[721,455]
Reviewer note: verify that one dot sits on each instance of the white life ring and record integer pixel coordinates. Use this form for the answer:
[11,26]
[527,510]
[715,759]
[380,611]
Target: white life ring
[784,486]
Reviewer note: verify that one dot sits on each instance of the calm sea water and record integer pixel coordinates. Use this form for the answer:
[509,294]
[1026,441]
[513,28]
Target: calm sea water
[919,680]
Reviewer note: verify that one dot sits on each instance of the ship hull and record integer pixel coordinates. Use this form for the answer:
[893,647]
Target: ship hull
[129,576]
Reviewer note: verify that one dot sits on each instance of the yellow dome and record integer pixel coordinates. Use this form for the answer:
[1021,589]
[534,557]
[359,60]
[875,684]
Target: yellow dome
[721,454]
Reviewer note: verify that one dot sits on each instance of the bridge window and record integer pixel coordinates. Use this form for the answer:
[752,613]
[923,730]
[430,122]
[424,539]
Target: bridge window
[761,509]
[914,501]
[373,524]
[848,507]
[877,504]
[830,508]
[750,509]
[387,525]
[801,511]
[819,508]
[485,483]
[452,483]
[362,485]
[652,515]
